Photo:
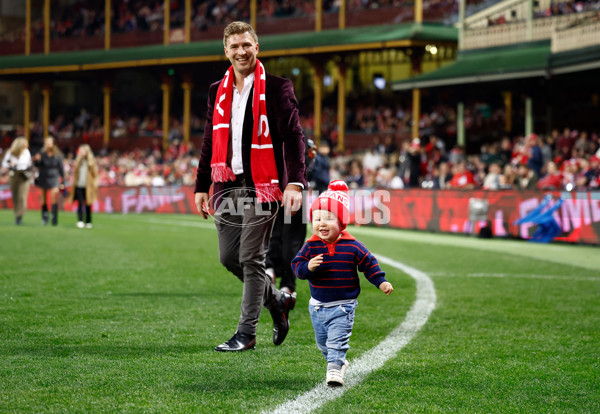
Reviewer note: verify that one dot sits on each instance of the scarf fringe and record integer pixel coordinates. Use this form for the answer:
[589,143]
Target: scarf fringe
[221,172]
[266,193]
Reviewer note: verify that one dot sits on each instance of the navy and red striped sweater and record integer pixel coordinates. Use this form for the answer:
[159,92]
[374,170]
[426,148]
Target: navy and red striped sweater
[336,278]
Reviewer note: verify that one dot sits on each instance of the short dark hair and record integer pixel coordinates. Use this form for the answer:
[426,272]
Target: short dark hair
[234,28]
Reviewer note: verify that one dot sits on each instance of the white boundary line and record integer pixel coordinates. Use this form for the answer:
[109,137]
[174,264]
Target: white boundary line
[517,276]
[376,357]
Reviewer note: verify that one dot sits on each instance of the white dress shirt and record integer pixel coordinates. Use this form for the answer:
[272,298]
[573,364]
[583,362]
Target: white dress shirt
[238,110]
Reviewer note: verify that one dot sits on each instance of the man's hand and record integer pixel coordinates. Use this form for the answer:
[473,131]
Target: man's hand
[292,199]
[201,200]
[315,262]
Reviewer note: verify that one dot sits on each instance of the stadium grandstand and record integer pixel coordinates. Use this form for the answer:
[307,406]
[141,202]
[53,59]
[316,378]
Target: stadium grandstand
[401,91]
[466,130]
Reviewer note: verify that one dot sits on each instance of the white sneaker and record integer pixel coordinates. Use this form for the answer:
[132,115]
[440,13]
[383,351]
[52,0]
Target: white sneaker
[335,377]
[80,224]
[88,226]
[344,368]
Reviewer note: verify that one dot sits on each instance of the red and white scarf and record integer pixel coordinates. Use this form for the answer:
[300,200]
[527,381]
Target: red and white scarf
[262,158]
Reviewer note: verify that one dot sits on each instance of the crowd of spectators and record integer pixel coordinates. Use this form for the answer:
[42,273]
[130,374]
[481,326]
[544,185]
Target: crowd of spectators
[558,8]
[569,7]
[87,17]
[567,160]
[152,167]
[395,117]
[89,127]
[561,160]
[360,118]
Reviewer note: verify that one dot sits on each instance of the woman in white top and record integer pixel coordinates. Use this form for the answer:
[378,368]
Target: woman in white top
[18,162]
[85,185]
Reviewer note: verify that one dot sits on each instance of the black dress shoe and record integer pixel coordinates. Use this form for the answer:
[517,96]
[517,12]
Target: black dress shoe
[280,314]
[239,342]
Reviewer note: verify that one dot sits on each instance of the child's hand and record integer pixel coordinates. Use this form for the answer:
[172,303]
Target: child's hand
[315,262]
[386,287]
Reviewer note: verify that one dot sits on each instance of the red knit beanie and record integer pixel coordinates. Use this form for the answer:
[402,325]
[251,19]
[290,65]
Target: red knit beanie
[335,199]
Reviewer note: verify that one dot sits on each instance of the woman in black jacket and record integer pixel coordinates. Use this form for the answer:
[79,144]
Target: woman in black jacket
[50,178]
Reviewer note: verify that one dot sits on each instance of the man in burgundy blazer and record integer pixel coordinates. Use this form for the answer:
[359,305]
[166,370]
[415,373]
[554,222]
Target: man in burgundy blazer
[284,123]
[244,238]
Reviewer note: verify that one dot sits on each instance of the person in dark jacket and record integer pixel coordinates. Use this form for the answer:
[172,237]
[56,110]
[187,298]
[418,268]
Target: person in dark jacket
[253,153]
[318,171]
[50,179]
[536,158]
[526,178]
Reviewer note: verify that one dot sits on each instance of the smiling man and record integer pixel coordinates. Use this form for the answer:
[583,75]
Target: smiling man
[253,150]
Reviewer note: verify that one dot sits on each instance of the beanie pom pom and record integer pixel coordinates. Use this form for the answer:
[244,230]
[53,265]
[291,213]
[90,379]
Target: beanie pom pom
[337,185]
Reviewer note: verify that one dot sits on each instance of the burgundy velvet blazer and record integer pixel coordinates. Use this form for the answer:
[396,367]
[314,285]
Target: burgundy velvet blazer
[286,135]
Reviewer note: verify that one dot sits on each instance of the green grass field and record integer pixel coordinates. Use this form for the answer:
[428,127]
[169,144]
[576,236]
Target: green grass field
[124,318]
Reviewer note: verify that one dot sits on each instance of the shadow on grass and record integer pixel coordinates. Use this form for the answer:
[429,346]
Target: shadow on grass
[106,350]
[161,294]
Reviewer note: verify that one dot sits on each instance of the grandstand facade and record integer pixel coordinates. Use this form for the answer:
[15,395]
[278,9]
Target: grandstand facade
[67,60]
[474,81]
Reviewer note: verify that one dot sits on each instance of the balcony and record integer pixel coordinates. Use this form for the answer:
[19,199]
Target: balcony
[584,35]
[512,33]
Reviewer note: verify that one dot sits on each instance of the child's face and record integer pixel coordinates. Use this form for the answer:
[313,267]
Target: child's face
[326,225]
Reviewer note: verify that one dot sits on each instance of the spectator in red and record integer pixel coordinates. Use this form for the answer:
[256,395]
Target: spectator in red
[520,155]
[553,178]
[570,169]
[461,177]
[565,142]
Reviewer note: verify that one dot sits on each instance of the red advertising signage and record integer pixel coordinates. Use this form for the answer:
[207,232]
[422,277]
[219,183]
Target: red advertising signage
[439,211]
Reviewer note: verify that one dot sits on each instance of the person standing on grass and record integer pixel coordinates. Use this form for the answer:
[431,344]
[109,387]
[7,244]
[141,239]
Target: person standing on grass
[49,163]
[85,185]
[18,162]
[329,260]
[253,152]
[287,238]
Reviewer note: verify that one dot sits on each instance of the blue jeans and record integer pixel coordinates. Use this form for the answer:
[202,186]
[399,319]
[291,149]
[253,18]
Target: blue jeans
[333,327]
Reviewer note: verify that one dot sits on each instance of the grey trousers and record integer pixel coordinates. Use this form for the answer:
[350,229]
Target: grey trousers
[244,230]
[19,187]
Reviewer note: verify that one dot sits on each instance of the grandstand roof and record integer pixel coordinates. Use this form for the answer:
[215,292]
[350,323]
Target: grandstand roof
[305,43]
[575,60]
[485,65]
